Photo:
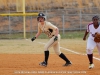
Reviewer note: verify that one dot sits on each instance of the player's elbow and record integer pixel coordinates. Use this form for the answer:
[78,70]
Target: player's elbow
[57,29]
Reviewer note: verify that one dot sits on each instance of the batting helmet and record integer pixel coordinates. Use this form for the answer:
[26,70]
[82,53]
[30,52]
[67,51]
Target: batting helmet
[41,15]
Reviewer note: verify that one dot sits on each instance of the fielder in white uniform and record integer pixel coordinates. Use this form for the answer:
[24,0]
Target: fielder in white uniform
[53,33]
[92,28]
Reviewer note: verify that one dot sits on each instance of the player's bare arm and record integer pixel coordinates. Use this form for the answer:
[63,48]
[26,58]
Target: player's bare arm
[37,35]
[57,32]
[85,35]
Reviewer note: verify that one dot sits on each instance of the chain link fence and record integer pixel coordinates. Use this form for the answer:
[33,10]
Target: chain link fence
[66,20]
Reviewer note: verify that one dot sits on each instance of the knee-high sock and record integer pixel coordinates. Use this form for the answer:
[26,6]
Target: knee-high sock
[46,53]
[64,58]
[90,57]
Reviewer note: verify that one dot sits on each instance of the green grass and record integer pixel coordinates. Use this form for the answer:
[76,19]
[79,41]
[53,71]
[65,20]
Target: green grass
[73,35]
[69,35]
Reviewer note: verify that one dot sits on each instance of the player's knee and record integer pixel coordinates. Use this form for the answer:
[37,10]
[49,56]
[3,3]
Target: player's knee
[89,51]
[45,48]
[57,52]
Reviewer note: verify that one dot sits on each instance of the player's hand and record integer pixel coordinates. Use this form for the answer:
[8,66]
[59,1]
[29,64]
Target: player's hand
[84,38]
[56,38]
[33,38]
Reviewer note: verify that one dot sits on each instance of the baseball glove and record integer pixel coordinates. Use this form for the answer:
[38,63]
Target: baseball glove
[97,37]
[33,38]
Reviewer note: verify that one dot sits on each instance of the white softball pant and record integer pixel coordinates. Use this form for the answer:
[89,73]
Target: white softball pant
[55,44]
[91,44]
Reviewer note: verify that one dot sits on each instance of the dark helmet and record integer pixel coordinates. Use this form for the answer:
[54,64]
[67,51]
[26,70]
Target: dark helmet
[41,15]
[95,17]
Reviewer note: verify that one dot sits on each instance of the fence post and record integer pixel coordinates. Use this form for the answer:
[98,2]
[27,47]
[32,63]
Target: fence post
[80,19]
[63,24]
[46,14]
[9,28]
[31,26]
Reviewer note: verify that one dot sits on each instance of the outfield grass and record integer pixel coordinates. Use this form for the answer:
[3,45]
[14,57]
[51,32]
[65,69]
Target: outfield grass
[26,46]
[73,35]
[66,35]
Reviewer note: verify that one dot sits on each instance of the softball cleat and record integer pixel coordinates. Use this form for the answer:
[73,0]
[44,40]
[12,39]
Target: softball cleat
[91,66]
[67,64]
[43,63]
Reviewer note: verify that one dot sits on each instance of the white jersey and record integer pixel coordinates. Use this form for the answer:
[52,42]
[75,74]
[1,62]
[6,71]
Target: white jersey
[48,28]
[92,30]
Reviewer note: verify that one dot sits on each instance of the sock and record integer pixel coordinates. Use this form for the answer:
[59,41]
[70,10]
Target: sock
[46,56]
[64,58]
[90,57]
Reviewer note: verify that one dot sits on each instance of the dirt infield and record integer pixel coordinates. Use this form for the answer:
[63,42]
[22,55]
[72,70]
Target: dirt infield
[22,57]
[28,64]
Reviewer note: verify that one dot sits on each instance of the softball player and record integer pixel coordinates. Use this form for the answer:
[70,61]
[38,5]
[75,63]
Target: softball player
[92,28]
[53,33]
